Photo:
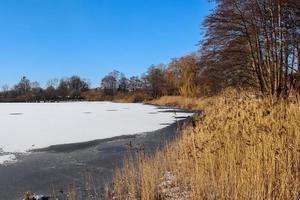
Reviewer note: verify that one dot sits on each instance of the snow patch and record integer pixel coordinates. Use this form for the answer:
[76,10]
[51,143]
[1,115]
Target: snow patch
[7,159]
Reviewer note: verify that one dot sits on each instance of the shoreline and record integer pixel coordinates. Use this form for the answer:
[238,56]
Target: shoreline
[58,166]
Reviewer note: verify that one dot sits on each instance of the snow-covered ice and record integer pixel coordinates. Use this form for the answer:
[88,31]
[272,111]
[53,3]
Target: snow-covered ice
[26,126]
[7,159]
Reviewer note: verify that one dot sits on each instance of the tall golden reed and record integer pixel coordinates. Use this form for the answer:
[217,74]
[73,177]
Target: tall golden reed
[243,148]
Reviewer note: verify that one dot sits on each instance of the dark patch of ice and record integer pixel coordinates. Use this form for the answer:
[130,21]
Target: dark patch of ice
[16,113]
[153,113]
[165,124]
[175,111]
[180,117]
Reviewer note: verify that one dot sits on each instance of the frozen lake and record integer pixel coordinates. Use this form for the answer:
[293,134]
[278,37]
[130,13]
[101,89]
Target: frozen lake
[27,126]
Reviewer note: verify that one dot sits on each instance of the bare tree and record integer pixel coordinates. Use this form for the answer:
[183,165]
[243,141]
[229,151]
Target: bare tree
[157,80]
[267,34]
[109,85]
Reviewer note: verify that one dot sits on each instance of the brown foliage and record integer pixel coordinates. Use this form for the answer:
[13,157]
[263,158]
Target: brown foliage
[185,71]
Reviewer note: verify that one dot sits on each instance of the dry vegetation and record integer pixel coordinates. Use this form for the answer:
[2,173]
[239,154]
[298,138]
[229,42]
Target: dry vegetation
[243,148]
[180,102]
[120,97]
[134,97]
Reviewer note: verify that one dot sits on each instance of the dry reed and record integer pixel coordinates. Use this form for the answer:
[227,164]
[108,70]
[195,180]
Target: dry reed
[243,148]
[180,102]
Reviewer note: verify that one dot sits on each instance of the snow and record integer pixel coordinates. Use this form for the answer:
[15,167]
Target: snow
[27,126]
[7,159]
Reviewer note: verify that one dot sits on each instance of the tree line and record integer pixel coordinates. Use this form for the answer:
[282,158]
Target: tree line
[247,44]
[56,90]
[179,77]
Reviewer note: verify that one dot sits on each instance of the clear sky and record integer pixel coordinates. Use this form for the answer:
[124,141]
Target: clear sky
[45,39]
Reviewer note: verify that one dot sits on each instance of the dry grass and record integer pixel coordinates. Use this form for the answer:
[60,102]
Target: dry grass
[181,102]
[243,148]
[119,97]
[132,97]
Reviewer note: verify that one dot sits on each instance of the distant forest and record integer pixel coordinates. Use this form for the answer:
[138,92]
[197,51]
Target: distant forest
[177,78]
[247,44]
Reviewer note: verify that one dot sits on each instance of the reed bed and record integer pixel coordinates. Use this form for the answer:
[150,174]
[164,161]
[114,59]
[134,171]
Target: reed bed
[180,102]
[242,148]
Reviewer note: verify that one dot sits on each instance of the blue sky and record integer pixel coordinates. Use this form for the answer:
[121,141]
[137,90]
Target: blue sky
[45,39]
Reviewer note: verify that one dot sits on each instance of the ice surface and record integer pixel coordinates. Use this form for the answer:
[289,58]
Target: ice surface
[26,126]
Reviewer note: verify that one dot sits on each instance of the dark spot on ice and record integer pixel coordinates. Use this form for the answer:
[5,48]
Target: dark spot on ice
[87,112]
[166,124]
[153,113]
[180,117]
[162,108]
[111,110]
[175,111]
[16,113]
